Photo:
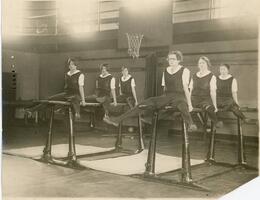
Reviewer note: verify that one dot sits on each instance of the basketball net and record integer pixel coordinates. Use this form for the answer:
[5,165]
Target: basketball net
[134,44]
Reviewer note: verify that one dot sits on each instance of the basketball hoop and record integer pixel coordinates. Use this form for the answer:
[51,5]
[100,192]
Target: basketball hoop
[134,44]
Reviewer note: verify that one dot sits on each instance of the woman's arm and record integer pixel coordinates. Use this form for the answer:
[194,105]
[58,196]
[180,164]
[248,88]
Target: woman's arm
[213,95]
[133,90]
[134,94]
[120,91]
[81,89]
[188,96]
[163,83]
[185,82]
[234,91]
[234,95]
[113,90]
[82,94]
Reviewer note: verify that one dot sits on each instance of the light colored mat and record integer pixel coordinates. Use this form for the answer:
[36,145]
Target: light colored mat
[58,151]
[135,164]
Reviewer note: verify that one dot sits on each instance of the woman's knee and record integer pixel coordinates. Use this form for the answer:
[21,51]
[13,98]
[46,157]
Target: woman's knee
[209,108]
[182,106]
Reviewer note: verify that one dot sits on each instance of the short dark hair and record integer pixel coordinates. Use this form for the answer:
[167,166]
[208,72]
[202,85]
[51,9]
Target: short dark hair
[71,60]
[206,59]
[226,65]
[104,65]
[124,67]
[178,54]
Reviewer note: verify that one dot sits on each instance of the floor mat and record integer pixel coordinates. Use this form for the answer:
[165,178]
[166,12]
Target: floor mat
[135,164]
[58,151]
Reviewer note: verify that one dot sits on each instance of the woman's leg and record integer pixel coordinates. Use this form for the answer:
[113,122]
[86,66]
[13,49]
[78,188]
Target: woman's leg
[41,106]
[184,110]
[228,104]
[206,105]
[211,113]
[151,104]
[236,110]
[59,97]
[75,101]
[106,104]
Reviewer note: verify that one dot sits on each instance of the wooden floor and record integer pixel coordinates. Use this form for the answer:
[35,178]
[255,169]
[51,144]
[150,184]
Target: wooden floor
[27,178]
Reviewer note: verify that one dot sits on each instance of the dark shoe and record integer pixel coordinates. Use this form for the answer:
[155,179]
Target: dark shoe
[192,128]
[107,120]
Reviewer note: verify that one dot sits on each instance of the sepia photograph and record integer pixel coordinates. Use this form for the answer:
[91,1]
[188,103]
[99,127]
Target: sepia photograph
[119,99]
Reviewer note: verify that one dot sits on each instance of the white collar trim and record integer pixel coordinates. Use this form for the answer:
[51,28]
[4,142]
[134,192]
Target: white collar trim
[200,76]
[228,76]
[104,76]
[127,78]
[70,74]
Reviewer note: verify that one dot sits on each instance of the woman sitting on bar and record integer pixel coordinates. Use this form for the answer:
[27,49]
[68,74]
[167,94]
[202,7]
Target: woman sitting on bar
[175,83]
[203,90]
[73,90]
[105,87]
[227,92]
[127,89]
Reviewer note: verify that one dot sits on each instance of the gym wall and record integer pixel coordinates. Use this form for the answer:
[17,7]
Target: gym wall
[26,66]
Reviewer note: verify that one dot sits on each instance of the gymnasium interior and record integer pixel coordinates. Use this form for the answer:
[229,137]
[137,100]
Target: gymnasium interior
[38,39]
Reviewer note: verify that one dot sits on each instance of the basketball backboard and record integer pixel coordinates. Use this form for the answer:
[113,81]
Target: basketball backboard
[151,18]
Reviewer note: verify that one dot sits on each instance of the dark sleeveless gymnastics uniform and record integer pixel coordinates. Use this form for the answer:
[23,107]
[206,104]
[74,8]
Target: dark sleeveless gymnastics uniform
[225,99]
[200,96]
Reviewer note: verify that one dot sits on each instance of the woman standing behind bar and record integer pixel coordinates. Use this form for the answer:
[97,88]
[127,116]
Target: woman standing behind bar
[203,90]
[227,92]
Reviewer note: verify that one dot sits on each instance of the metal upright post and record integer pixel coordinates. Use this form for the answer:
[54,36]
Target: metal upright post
[118,144]
[72,150]
[140,136]
[92,119]
[241,152]
[203,119]
[186,169]
[211,150]
[47,150]
[36,117]
[150,164]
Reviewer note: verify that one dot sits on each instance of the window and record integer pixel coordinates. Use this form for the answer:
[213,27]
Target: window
[233,8]
[12,17]
[77,16]
[191,10]
[50,17]
[195,10]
